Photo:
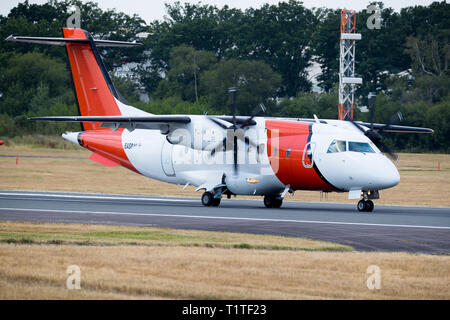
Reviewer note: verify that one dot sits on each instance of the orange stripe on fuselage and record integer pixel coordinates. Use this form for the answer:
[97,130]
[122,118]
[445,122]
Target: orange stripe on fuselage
[108,144]
[293,135]
[93,95]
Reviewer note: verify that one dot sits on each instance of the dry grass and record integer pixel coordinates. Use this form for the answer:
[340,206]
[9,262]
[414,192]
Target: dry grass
[421,183]
[170,270]
[135,272]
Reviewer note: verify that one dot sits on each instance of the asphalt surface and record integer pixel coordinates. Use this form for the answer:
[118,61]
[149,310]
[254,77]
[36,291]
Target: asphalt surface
[387,228]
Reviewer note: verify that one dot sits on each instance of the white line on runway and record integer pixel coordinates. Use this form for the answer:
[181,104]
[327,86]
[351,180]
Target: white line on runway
[92,197]
[229,218]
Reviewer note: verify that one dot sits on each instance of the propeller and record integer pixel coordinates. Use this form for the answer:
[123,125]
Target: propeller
[375,135]
[233,127]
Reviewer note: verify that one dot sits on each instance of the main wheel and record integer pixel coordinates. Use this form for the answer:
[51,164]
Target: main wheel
[272,202]
[362,206]
[370,206]
[216,202]
[277,203]
[207,199]
[268,202]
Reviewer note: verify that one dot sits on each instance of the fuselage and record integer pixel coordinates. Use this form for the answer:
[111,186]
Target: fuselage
[325,155]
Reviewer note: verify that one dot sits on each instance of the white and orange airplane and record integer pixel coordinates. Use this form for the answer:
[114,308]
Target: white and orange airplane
[222,155]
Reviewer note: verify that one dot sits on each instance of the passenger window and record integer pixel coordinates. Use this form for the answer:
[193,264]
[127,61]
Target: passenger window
[337,146]
[360,147]
[288,152]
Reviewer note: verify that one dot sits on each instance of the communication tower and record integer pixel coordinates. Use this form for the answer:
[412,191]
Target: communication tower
[347,79]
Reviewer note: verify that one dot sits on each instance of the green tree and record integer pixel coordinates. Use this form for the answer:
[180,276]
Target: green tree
[326,46]
[183,78]
[256,82]
[23,74]
[307,104]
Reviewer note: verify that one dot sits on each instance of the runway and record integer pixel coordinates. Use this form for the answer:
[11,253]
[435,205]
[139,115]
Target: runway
[387,228]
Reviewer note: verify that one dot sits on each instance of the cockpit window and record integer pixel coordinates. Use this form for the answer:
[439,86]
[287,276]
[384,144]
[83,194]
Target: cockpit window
[337,146]
[360,147]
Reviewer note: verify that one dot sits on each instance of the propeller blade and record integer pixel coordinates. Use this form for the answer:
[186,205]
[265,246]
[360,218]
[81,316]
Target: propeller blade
[384,148]
[232,92]
[396,118]
[260,108]
[235,150]
[222,144]
[357,126]
[371,99]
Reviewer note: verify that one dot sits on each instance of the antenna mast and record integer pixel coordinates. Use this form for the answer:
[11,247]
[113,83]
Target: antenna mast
[347,79]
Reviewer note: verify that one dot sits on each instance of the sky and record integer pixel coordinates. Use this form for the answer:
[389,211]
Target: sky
[150,10]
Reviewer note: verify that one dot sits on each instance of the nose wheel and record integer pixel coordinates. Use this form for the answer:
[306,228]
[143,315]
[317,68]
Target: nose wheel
[365,206]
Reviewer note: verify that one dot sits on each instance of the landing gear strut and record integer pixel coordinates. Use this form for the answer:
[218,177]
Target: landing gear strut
[365,205]
[208,200]
[272,202]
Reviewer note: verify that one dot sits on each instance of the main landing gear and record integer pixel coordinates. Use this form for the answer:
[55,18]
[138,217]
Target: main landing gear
[208,199]
[272,201]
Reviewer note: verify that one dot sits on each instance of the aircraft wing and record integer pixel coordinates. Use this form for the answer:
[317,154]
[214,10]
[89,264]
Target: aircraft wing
[397,128]
[155,122]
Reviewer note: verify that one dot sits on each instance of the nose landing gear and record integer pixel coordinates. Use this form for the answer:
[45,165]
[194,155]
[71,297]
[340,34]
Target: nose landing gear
[365,205]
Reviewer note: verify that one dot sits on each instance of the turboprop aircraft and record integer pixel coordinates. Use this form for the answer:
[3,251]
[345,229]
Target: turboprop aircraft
[223,155]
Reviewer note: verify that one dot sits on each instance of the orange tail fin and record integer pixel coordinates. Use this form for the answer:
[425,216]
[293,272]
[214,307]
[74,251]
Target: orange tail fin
[93,87]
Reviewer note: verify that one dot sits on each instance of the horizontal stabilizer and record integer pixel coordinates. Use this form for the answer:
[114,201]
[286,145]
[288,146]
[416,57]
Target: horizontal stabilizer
[63,41]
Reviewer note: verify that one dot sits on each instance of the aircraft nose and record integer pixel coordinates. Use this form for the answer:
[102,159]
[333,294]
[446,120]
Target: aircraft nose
[384,175]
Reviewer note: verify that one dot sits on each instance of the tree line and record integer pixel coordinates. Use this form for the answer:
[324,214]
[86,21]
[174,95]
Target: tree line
[190,58]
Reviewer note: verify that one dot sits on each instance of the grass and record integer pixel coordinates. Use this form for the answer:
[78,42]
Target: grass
[73,234]
[421,182]
[161,267]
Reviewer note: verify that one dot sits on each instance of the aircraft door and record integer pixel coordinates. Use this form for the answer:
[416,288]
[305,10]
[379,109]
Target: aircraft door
[308,155]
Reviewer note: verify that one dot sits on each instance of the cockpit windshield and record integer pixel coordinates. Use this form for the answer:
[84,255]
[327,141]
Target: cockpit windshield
[341,146]
[337,146]
[360,147]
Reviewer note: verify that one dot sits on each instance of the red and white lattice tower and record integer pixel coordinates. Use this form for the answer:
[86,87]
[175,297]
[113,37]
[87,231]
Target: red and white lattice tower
[347,79]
